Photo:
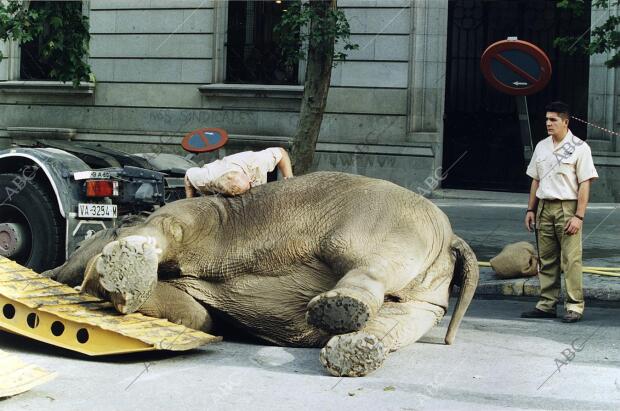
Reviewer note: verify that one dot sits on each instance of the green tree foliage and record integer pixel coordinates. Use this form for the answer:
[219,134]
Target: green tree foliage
[61,30]
[603,38]
[312,29]
[295,37]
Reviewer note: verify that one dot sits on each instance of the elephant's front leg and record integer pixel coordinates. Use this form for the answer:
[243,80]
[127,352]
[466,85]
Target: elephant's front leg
[350,304]
[396,325]
[164,301]
[127,270]
[178,307]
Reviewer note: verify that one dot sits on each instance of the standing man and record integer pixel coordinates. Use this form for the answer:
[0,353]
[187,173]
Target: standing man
[237,173]
[561,169]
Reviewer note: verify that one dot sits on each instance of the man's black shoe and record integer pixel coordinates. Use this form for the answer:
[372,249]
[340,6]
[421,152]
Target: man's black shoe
[571,317]
[536,313]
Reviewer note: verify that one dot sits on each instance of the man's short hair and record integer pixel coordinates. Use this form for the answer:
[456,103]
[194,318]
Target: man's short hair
[231,183]
[559,107]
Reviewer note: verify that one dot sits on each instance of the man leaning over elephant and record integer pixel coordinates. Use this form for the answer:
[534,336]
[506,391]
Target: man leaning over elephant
[237,173]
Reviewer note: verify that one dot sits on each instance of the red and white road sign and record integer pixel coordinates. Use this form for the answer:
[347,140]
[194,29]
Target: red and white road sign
[516,67]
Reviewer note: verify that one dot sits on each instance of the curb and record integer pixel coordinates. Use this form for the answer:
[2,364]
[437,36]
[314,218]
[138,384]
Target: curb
[595,287]
[504,197]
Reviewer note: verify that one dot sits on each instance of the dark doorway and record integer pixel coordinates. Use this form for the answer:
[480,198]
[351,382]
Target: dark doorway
[482,121]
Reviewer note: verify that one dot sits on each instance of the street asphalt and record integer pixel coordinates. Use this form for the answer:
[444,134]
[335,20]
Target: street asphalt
[499,361]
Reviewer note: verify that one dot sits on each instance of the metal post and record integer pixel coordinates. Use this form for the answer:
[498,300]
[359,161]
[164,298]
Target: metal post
[524,124]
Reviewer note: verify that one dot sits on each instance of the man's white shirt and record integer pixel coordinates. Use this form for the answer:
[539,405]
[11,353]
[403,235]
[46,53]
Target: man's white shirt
[561,169]
[255,165]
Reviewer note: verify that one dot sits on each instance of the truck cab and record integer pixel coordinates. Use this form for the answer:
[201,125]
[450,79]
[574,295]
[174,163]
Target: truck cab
[55,194]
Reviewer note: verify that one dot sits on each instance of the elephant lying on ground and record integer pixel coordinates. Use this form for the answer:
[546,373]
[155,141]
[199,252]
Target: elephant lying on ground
[355,265]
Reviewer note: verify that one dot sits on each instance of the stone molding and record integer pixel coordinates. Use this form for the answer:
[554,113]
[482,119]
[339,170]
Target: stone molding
[252,90]
[47,87]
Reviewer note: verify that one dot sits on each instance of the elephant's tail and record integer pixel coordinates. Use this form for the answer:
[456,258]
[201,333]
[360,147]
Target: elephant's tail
[466,275]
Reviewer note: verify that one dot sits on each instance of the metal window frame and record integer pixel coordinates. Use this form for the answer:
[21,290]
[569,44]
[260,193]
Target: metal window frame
[220,37]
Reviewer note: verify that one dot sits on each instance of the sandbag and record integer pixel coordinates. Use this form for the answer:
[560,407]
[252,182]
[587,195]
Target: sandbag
[516,260]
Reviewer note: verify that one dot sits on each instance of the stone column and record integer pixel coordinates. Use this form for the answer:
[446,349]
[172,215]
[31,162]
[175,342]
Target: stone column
[9,66]
[427,76]
[603,92]
[220,32]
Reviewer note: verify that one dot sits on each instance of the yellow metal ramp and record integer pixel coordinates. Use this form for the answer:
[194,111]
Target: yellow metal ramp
[40,308]
[18,377]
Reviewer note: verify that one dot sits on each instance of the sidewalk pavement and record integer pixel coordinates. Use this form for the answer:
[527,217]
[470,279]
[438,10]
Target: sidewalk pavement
[488,221]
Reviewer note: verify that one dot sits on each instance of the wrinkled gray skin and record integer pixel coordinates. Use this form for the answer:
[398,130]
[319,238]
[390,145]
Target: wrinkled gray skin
[355,265]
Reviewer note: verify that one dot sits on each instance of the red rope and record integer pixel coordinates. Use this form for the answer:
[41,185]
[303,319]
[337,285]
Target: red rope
[595,126]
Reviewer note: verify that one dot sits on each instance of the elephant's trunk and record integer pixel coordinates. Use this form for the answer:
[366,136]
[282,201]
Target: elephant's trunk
[466,275]
[72,271]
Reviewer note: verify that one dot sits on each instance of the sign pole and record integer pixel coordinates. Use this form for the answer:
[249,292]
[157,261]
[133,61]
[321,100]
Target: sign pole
[524,124]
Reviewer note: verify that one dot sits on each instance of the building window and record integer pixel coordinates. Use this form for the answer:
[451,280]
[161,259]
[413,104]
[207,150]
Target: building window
[252,54]
[34,65]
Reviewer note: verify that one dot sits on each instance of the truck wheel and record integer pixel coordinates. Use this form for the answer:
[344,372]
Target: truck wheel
[31,227]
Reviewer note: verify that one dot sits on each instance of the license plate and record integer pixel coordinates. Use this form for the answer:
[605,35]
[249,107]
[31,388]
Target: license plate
[97,210]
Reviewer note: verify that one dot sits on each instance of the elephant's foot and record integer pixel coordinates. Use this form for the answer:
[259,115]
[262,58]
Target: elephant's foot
[127,269]
[353,355]
[338,311]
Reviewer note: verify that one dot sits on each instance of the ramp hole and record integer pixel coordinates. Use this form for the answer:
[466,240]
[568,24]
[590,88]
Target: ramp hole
[9,311]
[32,320]
[82,335]
[58,328]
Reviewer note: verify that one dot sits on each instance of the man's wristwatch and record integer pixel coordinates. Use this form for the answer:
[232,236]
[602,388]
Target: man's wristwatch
[530,210]
[579,217]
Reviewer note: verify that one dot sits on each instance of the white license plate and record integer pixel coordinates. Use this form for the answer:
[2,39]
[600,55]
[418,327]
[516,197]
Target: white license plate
[97,210]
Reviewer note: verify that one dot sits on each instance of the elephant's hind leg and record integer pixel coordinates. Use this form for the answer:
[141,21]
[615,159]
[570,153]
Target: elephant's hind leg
[127,270]
[396,325]
[349,305]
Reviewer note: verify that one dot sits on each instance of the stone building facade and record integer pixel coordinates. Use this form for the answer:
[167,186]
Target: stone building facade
[160,69]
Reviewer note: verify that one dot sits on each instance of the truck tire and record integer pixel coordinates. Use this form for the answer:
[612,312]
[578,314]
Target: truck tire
[32,231]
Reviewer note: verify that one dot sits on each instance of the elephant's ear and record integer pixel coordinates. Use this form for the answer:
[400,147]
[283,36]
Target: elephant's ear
[176,231]
[170,226]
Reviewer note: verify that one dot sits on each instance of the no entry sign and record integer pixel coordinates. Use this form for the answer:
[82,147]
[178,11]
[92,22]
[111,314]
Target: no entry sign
[516,67]
[204,140]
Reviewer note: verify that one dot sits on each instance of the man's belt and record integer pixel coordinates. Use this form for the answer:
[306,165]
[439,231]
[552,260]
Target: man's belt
[555,200]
